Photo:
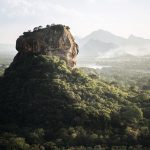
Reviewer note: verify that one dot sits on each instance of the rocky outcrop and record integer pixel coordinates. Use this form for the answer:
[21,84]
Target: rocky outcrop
[52,40]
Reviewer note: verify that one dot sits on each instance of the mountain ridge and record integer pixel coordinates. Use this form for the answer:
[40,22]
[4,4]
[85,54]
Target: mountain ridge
[133,45]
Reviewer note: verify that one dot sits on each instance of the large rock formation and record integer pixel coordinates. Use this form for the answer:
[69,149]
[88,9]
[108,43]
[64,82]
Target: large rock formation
[52,40]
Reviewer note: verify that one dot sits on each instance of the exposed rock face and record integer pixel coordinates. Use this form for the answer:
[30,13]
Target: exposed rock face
[52,40]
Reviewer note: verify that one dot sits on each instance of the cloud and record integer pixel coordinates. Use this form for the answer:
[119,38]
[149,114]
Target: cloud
[35,10]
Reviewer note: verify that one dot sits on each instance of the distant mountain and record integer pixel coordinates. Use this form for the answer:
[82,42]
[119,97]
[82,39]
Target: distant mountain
[102,43]
[94,47]
[104,36]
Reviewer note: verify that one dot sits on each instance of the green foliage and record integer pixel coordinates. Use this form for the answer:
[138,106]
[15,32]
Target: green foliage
[12,142]
[46,105]
[131,114]
[129,73]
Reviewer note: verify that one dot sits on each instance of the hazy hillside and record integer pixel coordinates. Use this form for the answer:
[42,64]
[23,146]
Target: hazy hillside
[105,44]
[93,48]
[103,36]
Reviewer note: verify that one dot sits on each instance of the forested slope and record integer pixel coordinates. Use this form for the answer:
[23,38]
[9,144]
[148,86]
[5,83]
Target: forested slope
[46,105]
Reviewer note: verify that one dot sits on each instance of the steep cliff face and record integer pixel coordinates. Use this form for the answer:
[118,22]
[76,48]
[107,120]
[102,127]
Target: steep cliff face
[52,40]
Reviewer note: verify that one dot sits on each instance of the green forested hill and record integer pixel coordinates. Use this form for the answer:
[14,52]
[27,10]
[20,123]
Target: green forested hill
[46,105]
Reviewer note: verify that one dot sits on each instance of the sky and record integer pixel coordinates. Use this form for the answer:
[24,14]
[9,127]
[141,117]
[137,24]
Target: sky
[121,17]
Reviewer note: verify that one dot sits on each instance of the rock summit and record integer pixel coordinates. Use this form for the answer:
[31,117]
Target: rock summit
[51,40]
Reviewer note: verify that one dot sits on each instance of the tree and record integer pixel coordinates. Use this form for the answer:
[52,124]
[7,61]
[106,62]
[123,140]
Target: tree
[35,29]
[37,135]
[48,26]
[131,114]
[40,27]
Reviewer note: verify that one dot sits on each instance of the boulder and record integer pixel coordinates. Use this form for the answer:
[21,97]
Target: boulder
[52,40]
